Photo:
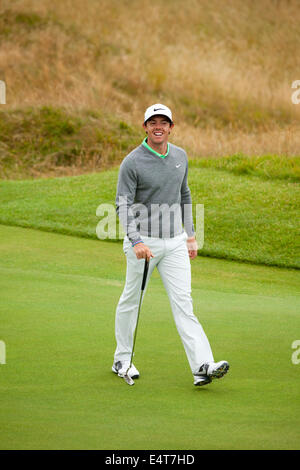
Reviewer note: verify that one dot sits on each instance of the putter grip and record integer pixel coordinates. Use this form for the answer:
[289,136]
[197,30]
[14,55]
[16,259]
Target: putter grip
[145,273]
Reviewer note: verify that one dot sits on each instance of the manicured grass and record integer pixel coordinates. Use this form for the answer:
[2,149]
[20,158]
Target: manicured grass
[58,299]
[247,217]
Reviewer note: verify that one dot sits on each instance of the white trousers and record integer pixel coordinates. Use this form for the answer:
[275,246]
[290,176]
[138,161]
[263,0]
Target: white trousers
[173,263]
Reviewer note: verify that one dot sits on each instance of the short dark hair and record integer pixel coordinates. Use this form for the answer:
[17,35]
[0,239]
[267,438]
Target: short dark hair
[166,117]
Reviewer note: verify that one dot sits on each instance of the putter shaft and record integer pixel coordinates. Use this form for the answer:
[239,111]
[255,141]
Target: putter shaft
[127,378]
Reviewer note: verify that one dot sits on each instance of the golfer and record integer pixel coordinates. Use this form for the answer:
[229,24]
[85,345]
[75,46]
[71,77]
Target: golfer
[153,202]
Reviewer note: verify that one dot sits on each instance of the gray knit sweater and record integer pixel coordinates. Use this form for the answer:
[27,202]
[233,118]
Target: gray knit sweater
[153,198]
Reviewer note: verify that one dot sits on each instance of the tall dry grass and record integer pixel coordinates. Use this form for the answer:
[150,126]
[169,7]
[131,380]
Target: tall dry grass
[225,68]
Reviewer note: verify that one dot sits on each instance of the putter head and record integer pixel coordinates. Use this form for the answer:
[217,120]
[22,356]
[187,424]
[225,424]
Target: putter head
[128,379]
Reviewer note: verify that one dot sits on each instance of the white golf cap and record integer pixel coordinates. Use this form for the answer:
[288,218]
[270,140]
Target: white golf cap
[158,108]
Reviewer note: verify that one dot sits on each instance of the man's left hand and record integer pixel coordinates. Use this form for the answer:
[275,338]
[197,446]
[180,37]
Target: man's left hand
[192,247]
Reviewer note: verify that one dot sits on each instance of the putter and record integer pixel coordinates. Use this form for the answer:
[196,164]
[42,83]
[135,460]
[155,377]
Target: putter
[127,378]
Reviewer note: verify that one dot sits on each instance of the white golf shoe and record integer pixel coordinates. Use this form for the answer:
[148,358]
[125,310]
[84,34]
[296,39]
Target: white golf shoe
[213,370]
[120,368]
[199,381]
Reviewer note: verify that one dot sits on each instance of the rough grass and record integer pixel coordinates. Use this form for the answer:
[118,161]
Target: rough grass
[266,166]
[52,141]
[227,76]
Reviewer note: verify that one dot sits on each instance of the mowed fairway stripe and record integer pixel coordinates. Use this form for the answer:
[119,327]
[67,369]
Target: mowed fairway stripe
[47,275]
[58,300]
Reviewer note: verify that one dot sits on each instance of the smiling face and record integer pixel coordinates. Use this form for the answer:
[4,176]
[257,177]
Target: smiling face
[158,129]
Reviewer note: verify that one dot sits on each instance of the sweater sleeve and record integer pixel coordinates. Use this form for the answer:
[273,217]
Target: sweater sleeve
[186,206]
[126,189]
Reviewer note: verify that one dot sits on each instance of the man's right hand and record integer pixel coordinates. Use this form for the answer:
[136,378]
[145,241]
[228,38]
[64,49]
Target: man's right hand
[142,251]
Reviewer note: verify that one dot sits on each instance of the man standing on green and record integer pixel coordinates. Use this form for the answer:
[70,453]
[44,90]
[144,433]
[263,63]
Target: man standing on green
[153,203]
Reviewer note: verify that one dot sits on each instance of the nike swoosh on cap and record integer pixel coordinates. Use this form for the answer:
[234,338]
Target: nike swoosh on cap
[159,109]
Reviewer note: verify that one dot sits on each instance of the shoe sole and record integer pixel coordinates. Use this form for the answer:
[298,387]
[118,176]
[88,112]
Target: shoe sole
[220,371]
[122,376]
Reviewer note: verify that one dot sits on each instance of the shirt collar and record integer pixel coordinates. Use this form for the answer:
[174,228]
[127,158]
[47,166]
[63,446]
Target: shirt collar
[144,143]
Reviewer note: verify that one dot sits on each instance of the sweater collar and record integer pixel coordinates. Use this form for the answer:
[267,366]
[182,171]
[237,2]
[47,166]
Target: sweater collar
[144,143]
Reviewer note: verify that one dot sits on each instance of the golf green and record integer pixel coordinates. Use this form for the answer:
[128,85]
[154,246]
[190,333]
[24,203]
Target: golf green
[58,298]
